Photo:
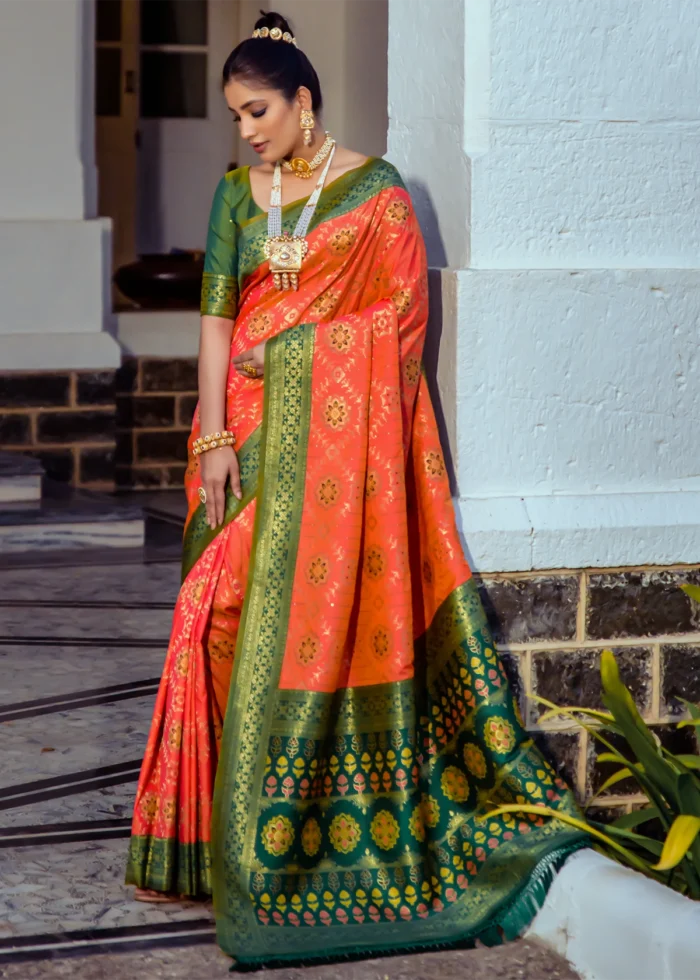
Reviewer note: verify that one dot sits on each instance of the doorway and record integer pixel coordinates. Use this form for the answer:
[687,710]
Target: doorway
[163,133]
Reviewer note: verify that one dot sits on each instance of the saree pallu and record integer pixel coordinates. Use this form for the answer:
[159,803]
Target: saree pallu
[330,668]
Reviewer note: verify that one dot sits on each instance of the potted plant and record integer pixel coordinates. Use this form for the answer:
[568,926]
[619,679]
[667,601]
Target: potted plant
[660,839]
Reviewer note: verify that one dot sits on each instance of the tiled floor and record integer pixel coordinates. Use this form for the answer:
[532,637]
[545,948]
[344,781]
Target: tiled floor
[81,650]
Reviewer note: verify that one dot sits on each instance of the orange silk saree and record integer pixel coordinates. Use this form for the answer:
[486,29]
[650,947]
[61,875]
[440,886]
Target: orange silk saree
[333,723]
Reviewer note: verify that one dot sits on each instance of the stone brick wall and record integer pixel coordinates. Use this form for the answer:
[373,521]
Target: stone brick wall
[66,419]
[551,628]
[156,398]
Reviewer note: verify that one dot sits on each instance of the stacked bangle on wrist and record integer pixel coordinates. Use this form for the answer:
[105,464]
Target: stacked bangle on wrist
[213,441]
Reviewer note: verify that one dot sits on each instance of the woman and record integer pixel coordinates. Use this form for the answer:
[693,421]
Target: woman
[330,660]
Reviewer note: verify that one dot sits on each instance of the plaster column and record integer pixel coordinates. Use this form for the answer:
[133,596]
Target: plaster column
[54,273]
[552,151]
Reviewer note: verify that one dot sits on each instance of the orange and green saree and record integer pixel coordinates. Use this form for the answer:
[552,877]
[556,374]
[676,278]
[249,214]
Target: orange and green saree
[333,722]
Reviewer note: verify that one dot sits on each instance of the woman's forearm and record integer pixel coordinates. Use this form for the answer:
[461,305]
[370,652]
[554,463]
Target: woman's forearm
[214,356]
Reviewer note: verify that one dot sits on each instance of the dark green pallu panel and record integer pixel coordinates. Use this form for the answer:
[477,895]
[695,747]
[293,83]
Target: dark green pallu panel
[352,824]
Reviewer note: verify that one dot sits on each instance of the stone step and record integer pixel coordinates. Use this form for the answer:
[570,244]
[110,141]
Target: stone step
[66,519]
[20,479]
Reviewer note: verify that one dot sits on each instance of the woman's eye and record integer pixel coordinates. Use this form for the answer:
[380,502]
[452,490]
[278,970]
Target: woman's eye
[259,113]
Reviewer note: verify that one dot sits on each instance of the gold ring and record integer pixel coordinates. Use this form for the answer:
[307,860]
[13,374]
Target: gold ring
[251,371]
[202,495]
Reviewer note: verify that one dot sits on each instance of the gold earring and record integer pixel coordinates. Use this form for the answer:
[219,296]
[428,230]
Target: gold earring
[307,123]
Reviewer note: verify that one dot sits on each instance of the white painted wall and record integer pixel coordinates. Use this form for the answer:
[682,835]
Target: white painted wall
[43,109]
[54,253]
[554,147]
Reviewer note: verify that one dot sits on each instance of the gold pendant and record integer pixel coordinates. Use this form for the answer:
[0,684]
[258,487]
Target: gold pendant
[286,255]
[301,168]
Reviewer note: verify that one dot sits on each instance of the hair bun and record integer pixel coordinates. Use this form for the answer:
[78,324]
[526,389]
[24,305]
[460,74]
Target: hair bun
[272,19]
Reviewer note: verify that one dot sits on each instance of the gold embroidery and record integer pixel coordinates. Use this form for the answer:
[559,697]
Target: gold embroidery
[382,323]
[434,465]
[342,241]
[412,371]
[308,650]
[325,304]
[375,563]
[219,296]
[371,483]
[398,212]
[259,324]
[403,300]
[341,337]
[317,572]
[327,493]
[336,413]
[380,642]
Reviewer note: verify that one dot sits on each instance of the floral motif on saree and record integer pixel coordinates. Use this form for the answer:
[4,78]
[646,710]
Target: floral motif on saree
[330,666]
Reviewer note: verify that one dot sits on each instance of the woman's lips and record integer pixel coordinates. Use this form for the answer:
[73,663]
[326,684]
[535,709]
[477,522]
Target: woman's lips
[259,147]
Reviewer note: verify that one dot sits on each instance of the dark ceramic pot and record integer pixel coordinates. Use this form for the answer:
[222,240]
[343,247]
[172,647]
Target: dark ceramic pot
[163,282]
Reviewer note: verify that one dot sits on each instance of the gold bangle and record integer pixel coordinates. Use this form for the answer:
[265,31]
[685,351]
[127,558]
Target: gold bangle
[214,436]
[214,444]
[213,441]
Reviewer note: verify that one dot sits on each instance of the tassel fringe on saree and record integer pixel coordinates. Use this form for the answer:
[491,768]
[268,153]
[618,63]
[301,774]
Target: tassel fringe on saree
[333,722]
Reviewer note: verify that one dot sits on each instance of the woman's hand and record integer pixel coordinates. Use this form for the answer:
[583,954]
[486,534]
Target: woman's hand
[217,467]
[251,360]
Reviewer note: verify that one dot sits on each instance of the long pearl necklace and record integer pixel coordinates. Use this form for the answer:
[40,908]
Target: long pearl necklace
[286,252]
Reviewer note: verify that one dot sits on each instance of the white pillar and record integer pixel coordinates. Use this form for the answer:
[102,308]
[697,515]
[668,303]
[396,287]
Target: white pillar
[554,148]
[54,251]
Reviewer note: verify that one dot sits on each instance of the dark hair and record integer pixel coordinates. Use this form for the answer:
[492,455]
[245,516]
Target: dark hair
[275,64]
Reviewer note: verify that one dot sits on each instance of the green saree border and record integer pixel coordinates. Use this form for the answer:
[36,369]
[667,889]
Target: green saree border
[165,864]
[262,632]
[505,924]
[198,534]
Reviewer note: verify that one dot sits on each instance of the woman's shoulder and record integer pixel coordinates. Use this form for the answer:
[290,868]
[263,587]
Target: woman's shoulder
[378,170]
[388,173]
[234,185]
[237,177]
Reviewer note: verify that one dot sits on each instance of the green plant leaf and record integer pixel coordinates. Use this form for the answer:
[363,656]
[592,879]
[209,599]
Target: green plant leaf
[649,844]
[544,811]
[689,761]
[692,709]
[637,734]
[616,777]
[635,819]
[602,716]
[688,794]
[679,841]
[612,757]
[693,591]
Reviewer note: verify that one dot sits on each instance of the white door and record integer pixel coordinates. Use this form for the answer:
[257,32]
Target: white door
[187,138]
[116,123]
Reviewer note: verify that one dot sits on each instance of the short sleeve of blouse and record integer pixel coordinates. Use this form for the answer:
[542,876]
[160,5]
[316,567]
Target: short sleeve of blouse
[220,279]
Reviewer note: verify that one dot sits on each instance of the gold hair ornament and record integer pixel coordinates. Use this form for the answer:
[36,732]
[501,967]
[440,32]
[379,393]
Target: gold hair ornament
[275,34]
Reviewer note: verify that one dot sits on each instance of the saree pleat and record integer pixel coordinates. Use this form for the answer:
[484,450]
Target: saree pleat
[332,627]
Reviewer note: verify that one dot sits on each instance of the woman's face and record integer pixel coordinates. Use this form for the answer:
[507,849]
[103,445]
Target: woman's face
[265,119]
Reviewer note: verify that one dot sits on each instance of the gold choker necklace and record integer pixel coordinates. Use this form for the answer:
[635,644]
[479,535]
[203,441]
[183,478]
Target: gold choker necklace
[305,168]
